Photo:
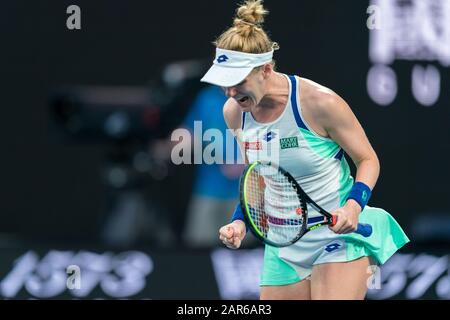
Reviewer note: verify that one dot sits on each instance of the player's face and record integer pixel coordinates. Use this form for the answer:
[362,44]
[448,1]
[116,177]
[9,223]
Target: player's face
[249,92]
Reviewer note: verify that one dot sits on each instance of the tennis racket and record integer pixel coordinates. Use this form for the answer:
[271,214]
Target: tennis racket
[276,207]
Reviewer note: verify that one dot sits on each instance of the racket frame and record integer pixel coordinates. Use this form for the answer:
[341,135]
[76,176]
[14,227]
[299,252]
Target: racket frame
[303,197]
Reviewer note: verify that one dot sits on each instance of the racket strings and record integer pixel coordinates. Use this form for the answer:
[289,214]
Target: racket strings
[276,208]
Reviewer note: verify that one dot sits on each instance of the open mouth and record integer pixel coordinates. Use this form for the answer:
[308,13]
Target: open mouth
[243,99]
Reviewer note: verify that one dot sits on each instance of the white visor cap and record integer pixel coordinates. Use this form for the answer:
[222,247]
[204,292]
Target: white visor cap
[232,67]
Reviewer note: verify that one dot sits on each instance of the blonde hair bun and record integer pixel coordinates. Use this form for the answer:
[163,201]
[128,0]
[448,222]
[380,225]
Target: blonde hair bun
[252,12]
[246,34]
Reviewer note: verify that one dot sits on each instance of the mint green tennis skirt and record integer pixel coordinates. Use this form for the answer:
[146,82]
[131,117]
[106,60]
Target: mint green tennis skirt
[291,264]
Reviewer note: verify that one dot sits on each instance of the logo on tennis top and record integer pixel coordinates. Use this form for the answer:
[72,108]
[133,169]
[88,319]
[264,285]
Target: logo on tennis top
[291,142]
[222,58]
[253,145]
[269,136]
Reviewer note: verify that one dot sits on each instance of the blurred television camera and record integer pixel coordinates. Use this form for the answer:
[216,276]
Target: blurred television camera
[128,119]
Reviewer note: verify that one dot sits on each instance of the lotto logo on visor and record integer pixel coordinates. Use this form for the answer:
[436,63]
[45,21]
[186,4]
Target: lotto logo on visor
[237,59]
[232,67]
[222,58]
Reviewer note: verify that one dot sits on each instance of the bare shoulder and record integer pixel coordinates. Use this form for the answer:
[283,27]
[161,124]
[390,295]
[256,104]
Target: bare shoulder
[322,108]
[318,100]
[326,110]
[232,114]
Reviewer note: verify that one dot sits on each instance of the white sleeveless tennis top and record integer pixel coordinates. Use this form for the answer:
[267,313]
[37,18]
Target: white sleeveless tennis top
[317,163]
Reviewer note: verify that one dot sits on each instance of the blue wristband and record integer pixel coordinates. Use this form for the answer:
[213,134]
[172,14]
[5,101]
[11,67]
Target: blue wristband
[360,193]
[239,215]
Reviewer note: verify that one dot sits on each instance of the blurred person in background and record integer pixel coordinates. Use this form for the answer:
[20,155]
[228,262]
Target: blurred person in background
[215,188]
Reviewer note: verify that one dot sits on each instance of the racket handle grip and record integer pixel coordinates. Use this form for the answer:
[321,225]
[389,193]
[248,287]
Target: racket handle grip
[364,229]
[333,220]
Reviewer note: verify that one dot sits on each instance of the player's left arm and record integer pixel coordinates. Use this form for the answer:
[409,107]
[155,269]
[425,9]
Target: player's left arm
[342,126]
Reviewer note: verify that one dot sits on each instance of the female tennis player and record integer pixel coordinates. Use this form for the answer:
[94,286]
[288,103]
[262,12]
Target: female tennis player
[312,127]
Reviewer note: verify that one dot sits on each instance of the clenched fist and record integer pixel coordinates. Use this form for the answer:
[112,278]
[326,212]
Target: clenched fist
[232,234]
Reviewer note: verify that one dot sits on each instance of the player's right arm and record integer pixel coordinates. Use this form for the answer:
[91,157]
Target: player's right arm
[233,233]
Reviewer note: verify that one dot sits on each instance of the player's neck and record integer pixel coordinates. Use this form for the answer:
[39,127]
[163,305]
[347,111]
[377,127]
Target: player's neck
[274,101]
[277,92]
